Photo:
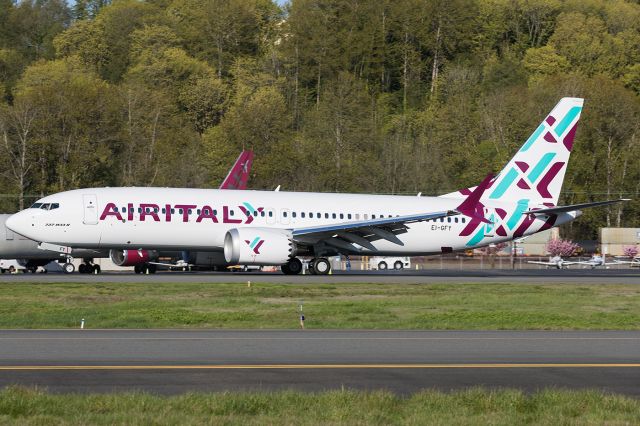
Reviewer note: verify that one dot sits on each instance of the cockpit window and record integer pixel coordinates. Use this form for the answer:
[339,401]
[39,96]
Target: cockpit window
[54,206]
[45,206]
[36,205]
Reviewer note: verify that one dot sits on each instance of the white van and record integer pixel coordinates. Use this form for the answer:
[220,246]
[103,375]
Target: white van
[389,262]
[11,265]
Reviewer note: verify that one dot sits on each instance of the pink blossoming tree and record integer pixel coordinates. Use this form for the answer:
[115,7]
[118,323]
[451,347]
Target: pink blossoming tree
[630,251]
[560,247]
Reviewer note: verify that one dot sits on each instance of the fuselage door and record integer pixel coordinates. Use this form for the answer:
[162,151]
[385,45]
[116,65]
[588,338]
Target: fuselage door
[90,202]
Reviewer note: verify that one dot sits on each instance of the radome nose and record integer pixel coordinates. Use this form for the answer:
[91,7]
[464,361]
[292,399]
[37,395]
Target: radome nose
[17,223]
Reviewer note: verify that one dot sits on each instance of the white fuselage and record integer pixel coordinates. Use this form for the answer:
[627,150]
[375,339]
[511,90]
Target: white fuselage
[198,219]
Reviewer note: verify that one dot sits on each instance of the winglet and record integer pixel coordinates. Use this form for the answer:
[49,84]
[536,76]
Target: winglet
[471,205]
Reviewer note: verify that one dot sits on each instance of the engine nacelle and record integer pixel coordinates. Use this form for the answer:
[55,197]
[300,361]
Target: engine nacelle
[132,257]
[258,246]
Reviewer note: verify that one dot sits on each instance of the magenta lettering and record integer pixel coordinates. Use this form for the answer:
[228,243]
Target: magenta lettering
[185,210]
[207,213]
[152,211]
[226,218]
[130,211]
[110,210]
[167,215]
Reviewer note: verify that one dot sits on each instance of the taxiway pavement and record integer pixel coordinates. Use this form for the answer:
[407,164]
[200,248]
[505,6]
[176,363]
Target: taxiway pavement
[175,361]
[536,276]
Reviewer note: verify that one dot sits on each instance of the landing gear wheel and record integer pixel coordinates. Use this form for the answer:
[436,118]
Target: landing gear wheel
[82,268]
[68,268]
[382,266]
[137,269]
[321,266]
[96,269]
[310,266]
[292,267]
[398,265]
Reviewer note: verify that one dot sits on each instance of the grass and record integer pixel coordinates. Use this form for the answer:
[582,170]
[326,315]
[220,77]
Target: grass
[376,306]
[470,407]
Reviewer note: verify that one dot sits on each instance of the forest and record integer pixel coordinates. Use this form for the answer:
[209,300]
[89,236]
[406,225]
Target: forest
[376,96]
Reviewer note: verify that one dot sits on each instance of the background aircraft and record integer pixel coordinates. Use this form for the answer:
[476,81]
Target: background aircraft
[27,254]
[559,263]
[274,228]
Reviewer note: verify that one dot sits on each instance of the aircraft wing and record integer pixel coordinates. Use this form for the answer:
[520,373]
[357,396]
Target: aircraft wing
[573,207]
[537,262]
[344,235]
[239,173]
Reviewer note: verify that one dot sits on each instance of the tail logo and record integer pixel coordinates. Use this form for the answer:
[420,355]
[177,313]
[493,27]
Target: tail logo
[255,244]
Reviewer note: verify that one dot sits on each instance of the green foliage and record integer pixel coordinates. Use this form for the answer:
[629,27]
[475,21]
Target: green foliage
[333,95]
[368,306]
[338,407]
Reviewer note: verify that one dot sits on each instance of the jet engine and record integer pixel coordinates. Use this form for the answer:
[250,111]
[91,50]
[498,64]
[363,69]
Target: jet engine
[132,257]
[258,246]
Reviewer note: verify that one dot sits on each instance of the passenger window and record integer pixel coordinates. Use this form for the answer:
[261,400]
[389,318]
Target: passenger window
[262,213]
[449,219]
[464,220]
[173,211]
[293,214]
[124,210]
[349,216]
[140,210]
[302,214]
[180,211]
[357,216]
[341,215]
[366,216]
[455,219]
[311,215]
[191,211]
[373,216]
[442,219]
[164,210]
[232,212]
[270,213]
[334,215]
[255,213]
[326,215]
[198,212]
[284,214]
[215,212]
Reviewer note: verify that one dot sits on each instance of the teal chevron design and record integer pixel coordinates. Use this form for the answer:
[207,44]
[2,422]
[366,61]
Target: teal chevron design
[567,120]
[541,166]
[522,207]
[505,183]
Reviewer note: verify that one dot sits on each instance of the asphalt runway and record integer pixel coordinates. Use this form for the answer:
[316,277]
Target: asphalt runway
[176,361]
[536,276]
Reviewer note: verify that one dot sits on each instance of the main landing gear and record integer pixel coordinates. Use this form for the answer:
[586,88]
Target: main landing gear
[319,266]
[145,268]
[292,267]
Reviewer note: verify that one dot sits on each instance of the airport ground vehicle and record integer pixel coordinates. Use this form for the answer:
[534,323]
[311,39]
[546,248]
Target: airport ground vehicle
[389,262]
[11,265]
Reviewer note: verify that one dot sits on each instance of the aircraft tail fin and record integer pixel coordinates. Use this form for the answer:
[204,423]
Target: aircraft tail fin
[239,173]
[536,171]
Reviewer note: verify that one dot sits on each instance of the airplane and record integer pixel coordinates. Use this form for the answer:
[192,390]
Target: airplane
[276,227]
[30,257]
[559,263]
[634,262]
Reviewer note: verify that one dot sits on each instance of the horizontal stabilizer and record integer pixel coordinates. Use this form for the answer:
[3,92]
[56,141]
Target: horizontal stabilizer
[574,207]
